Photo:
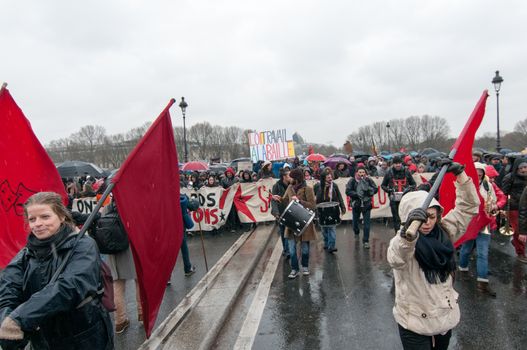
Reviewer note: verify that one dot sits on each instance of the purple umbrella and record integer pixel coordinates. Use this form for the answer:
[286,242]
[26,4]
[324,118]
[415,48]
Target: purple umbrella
[333,161]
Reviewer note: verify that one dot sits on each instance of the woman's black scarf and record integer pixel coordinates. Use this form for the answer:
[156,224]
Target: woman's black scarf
[435,254]
[44,247]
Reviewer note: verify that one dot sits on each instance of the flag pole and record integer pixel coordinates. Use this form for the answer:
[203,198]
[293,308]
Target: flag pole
[203,246]
[414,226]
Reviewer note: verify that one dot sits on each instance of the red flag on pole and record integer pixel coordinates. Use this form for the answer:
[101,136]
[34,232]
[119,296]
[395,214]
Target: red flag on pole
[463,147]
[147,196]
[25,169]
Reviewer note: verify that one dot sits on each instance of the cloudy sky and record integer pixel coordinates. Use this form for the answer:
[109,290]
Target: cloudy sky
[322,68]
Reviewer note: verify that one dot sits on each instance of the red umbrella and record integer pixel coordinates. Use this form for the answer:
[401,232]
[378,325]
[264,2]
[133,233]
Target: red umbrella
[195,166]
[315,157]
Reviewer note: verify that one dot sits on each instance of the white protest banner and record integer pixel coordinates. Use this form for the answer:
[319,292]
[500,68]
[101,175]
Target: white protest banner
[252,202]
[214,206]
[270,145]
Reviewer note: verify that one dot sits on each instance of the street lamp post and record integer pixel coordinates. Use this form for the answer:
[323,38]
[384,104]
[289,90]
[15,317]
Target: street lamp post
[497,80]
[388,135]
[183,105]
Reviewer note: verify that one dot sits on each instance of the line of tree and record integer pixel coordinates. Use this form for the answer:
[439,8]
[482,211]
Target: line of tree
[205,141]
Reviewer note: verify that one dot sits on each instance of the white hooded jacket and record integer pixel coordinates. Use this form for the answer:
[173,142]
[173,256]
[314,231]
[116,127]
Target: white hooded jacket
[422,307]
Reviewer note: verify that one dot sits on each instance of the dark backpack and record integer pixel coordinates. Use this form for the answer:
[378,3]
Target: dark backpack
[110,235]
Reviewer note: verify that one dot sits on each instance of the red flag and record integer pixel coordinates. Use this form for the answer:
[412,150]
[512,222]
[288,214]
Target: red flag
[25,169]
[463,147]
[147,196]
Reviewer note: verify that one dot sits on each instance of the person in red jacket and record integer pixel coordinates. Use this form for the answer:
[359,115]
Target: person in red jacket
[492,174]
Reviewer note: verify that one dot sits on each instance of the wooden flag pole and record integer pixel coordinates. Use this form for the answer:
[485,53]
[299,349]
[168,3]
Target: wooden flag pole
[203,246]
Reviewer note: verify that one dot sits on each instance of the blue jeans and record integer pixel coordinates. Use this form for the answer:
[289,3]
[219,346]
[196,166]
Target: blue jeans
[366,222]
[330,236]
[294,258]
[281,229]
[482,263]
[184,254]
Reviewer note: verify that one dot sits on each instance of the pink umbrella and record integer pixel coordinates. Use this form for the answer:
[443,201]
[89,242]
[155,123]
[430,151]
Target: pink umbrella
[315,157]
[195,166]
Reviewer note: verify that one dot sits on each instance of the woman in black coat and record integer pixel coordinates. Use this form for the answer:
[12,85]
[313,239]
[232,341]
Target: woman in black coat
[68,313]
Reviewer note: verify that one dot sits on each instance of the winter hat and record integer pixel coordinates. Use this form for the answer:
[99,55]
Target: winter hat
[371,159]
[415,199]
[266,163]
[229,170]
[397,160]
[286,165]
[297,174]
[407,158]
[490,171]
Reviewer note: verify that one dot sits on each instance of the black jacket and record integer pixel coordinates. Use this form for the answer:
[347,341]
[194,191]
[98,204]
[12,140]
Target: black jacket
[27,298]
[523,213]
[279,188]
[513,185]
[397,180]
[360,193]
[335,196]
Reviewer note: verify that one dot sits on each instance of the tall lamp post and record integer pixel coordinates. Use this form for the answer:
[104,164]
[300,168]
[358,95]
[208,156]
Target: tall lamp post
[388,135]
[183,105]
[497,80]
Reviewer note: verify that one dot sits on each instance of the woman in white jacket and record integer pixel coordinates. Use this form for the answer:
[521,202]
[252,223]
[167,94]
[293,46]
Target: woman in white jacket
[426,304]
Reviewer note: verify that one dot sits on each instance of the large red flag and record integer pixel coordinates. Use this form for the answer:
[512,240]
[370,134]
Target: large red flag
[25,169]
[147,196]
[463,147]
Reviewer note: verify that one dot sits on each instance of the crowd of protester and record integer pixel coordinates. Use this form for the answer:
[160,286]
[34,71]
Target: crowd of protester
[502,184]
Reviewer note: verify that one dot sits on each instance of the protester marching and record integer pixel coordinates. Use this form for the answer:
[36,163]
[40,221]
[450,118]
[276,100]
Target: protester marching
[72,238]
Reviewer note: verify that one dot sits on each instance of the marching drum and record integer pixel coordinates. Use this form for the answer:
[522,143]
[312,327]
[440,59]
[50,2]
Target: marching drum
[296,217]
[396,196]
[328,213]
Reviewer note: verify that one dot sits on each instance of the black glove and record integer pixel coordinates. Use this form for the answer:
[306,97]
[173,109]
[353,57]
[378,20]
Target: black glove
[453,167]
[417,214]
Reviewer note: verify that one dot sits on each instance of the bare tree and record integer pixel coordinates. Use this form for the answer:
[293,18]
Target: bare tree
[521,127]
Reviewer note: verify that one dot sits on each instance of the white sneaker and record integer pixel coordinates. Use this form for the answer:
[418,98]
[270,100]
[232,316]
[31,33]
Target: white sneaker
[305,271]
[293,274]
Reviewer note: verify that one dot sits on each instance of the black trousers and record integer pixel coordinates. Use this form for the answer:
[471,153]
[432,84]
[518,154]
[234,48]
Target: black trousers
[414,341]
[394,206]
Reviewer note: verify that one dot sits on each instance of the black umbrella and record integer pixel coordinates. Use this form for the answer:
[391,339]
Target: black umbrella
[78,168]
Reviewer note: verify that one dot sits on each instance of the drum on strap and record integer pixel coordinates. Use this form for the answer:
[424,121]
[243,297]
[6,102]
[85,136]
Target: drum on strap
[328,213]
[296,217]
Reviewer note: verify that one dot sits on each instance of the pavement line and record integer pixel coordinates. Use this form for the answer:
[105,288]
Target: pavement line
[254,316]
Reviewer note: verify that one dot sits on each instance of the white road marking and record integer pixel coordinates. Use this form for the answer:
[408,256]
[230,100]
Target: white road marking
[254,316]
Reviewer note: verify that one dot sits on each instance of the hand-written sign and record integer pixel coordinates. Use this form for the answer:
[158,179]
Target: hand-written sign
[270,145]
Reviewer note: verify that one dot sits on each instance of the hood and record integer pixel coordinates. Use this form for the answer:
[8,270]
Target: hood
[413,200]
[517,162]
[490,171]
[229,170]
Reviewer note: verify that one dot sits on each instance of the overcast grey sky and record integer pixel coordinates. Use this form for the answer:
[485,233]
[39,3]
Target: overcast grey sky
[322,68]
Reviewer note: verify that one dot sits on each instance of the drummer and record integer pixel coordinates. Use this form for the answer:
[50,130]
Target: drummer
[329,192]
[397,181]
[299,191]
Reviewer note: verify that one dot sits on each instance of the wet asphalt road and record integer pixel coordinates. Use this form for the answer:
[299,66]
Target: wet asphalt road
[346,303]
[215,246]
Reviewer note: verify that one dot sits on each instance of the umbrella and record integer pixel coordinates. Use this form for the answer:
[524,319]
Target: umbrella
[315,157]
[333,161]
[195,166]
[78,168]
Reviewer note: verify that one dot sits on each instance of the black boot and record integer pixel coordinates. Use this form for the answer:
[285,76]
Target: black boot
[483,287]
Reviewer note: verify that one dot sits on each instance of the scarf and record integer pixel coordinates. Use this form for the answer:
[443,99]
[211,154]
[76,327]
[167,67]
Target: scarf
[435,254]
[328,192]
[44,247]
